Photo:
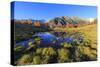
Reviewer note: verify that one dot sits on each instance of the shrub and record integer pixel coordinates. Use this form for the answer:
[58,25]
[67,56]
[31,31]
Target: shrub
[86,53]
[49,55]
[25,59]
[48,51]
[66,45]
[36,60]
[31,47]
[39,51]
[63,55]
[18,48]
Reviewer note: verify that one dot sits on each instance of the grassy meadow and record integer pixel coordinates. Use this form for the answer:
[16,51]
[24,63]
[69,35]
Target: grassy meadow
[82,48]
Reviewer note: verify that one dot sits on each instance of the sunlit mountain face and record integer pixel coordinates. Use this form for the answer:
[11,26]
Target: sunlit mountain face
[57,21]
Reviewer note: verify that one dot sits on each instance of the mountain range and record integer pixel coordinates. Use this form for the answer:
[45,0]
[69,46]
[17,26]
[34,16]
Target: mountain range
[55,22]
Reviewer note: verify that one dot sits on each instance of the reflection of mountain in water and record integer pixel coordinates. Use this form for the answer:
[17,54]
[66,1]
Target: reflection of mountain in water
[46,40]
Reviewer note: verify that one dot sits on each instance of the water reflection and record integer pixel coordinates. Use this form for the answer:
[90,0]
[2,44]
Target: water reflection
[47,39]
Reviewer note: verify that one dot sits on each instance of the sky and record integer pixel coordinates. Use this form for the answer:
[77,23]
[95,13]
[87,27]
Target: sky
[47,11]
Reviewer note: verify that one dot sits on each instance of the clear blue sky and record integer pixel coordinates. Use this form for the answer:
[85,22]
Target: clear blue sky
[30,10]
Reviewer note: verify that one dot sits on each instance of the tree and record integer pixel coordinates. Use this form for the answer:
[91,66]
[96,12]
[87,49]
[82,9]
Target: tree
[37,24]
[46,24]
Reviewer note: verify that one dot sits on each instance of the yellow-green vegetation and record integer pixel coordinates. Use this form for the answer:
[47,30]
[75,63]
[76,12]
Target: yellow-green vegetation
[48,51]
[63,55]
[49,55]
[36,60]
[66,45]
[25,59]
[31,46]
[83,48]
[39,51]
[18,48]
[91,32]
